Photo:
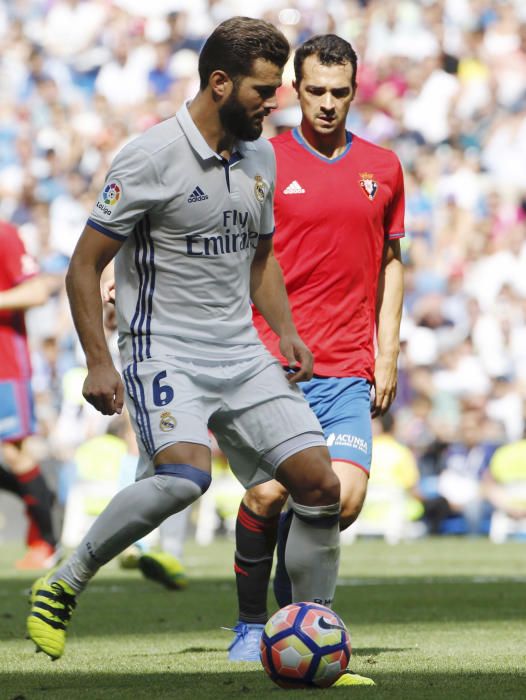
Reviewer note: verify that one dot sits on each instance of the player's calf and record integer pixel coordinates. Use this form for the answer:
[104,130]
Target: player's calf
[313,544]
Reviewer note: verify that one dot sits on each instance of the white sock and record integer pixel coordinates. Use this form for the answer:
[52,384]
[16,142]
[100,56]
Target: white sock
[312,554]
[130,515]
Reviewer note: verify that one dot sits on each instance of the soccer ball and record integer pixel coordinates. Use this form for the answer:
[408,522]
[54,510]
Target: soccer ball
[305,645]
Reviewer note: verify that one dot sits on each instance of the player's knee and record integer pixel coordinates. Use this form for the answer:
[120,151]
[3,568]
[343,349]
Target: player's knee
[321,488]
[329,487]
[309,477]
[180,490]
[266,499]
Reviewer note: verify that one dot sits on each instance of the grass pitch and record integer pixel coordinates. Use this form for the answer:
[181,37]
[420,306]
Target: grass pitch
[440,619]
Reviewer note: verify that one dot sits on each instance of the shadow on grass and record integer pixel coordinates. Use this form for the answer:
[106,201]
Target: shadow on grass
[220,686]
[122,605]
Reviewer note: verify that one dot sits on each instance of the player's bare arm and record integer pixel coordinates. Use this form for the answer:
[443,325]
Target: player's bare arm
[34,291]
[103,386]
[388,317]
[267,291]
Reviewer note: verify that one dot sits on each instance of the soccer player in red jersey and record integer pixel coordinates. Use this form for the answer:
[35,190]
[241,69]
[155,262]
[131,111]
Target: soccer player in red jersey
[21,287]
[339,212]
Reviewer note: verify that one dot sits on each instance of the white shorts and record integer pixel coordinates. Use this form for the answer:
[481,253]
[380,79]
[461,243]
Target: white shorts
[249,406]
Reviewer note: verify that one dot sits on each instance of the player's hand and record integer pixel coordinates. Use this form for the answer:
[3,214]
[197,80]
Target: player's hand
[108,291]
[299,358]
[385,381]
[103,389]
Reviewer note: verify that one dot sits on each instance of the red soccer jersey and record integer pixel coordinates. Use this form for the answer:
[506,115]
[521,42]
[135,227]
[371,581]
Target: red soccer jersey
[332,218]
[15,267]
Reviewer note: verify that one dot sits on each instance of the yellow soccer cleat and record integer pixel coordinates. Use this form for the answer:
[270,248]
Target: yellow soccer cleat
[129,559]
[350,678]
[51,608]
[165,569]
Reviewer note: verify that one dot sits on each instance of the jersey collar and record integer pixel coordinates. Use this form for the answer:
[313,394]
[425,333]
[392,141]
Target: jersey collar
[296,133]
[198,143]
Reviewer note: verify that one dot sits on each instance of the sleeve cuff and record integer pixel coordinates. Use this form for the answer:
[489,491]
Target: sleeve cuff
[106,231]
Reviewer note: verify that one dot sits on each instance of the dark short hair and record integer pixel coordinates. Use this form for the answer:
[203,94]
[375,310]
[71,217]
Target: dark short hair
[235,44]
[330,50]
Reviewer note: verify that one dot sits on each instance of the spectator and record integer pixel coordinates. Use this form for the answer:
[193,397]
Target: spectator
[504,486]
[464,464]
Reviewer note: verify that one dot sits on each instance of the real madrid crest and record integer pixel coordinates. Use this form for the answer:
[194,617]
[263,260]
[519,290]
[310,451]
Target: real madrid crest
[369,185]
[259,188]
[167,422]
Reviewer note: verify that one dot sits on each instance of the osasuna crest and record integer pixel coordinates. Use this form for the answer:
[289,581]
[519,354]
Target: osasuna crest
[259,188]
[167,422]
[369,185]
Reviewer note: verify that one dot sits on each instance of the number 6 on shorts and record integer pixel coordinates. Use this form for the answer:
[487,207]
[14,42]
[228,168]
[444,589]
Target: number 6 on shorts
[162,393]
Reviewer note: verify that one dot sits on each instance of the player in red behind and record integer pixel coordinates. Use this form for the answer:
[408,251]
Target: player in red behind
[21,287]
[339,211]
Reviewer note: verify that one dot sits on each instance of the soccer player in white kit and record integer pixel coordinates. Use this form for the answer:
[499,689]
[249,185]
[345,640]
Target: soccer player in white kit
[187,212]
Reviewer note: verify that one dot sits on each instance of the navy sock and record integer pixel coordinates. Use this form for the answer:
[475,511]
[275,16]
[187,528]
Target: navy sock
[282,584]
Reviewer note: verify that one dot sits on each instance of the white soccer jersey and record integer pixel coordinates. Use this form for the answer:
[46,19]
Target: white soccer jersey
[190,222]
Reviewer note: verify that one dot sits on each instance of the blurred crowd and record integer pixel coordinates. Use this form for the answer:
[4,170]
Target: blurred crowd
[441,82]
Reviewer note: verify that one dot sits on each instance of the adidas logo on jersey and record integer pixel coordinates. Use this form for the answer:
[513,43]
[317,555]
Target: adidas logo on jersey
[294,188]
[197,195]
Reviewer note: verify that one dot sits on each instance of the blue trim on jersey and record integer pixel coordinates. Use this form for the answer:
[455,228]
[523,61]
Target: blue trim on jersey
[266,236]
[140,325]
[144,274]
[141,414]
[146,256]
[136,315]
[186,471]
[151,263]
[148,427]
[130,388]
[141,340]
[226,168]
[302,142]
[106,231]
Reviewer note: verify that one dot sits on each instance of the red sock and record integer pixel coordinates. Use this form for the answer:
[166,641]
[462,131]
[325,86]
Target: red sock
[38,500]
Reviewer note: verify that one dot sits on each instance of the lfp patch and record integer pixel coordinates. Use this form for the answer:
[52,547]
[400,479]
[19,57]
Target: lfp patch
[111,193]
[369,185]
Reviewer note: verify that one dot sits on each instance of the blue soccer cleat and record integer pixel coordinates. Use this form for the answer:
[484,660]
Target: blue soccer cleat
[245,646]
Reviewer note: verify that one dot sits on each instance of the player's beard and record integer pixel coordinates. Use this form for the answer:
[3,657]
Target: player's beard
[236,121]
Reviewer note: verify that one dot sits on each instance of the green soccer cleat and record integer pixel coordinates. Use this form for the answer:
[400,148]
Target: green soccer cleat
[165,569]
[51,608]
[350,678]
